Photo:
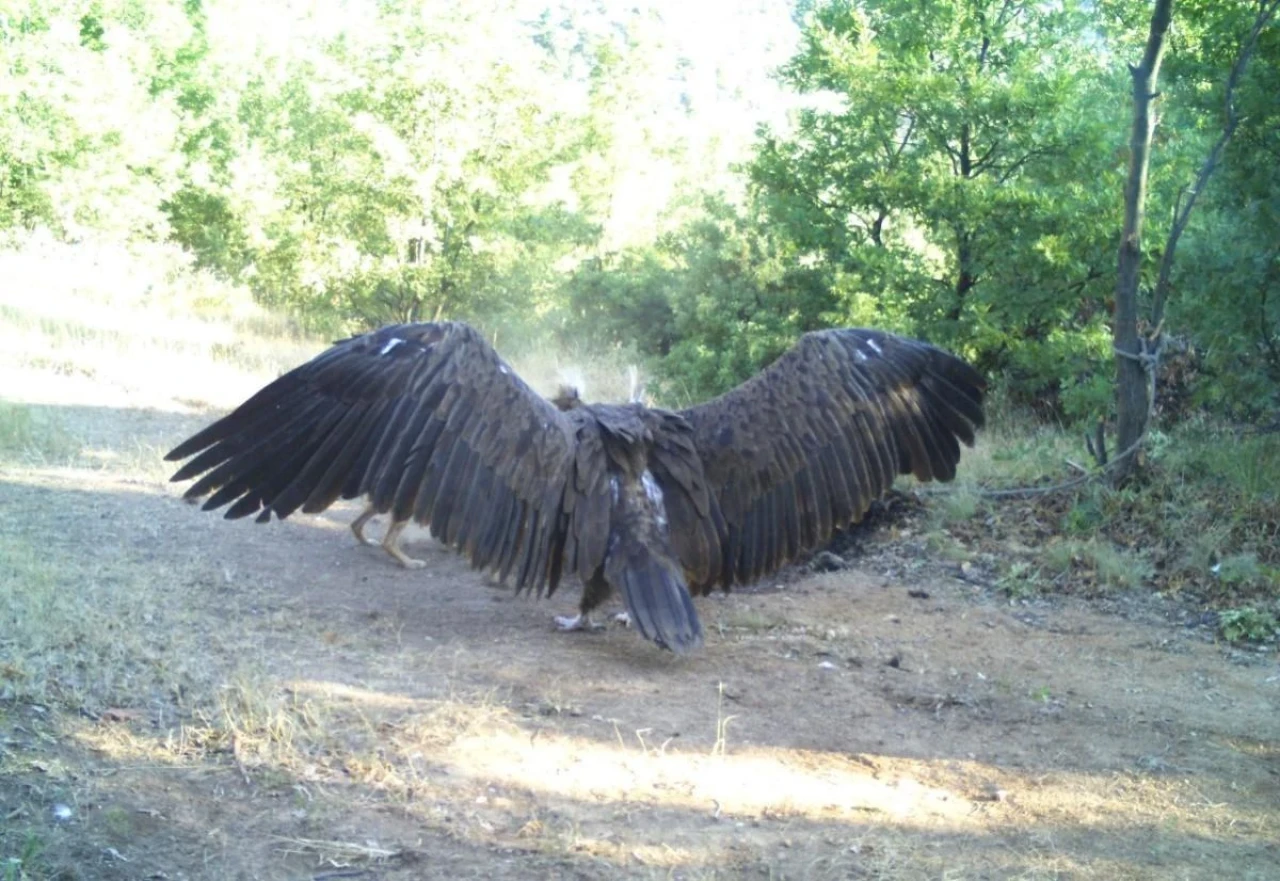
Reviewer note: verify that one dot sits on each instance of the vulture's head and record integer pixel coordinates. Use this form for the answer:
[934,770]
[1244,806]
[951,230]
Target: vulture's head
[567,398]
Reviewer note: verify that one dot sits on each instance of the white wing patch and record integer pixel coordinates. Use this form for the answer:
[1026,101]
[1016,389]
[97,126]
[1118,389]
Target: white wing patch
[874,346]
[391,344]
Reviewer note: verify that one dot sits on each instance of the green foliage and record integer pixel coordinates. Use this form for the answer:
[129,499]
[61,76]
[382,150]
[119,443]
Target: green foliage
[715,300]
[27,863]
[1083,518]
[1247,624]
[1099,562]
[78,151]
[951,169]
[1226,302]
[1243,570]
[941,171]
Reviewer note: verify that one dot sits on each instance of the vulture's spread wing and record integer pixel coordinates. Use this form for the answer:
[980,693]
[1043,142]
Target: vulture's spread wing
[427,421]
[805,446]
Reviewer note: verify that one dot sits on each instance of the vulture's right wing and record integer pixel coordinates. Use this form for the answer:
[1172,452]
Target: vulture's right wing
[805,446]
[425,419]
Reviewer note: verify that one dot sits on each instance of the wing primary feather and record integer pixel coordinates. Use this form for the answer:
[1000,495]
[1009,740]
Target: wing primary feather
[243,441]
[458,477]
[346,465]
[469,515]
[328,449]
[406,492]
[265,466]
[403,427]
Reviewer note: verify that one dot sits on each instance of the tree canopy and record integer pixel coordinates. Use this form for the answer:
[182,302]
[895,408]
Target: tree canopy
[951,168]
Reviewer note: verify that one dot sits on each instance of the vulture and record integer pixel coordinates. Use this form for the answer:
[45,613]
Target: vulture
[429,424]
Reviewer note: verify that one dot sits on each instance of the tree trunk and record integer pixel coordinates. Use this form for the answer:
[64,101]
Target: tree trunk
[1133,386]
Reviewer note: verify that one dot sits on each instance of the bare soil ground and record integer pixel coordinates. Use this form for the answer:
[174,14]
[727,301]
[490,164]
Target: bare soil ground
[186,698]
[299,707]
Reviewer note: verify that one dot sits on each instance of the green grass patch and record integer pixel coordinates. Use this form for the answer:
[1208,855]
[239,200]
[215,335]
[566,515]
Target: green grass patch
[30,436]
[22,857]
[88,625]
[1203,518]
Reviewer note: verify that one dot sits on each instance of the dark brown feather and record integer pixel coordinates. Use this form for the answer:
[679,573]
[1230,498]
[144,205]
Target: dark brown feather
[805,446]
[419,417]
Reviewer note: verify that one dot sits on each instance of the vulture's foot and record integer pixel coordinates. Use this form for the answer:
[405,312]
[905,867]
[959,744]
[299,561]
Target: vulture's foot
[391,544]
[581,621]
[623,618]
[406,561]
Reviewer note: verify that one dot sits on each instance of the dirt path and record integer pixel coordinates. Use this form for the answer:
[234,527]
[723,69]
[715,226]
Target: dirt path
[365,721]
[232,701]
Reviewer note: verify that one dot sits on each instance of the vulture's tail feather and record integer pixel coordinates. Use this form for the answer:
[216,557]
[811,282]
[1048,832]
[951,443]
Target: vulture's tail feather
[656,596]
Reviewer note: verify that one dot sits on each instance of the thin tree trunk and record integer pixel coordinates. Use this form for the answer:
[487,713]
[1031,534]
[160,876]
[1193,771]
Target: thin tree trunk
[1135,356]
[1133,395]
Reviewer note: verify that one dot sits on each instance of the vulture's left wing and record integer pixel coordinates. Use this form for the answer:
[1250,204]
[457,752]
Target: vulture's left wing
[427,421]
[805,446]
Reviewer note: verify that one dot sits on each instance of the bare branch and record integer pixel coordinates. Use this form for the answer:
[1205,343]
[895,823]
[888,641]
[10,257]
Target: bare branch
[980,164]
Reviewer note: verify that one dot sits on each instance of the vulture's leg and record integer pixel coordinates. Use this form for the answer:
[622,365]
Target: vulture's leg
[593,594]
[391,544]
[357,525]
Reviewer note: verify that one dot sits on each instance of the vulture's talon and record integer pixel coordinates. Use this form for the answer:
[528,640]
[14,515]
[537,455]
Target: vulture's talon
[582,621]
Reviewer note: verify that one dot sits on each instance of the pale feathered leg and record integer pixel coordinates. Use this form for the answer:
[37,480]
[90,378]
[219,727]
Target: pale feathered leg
[391,544]
[357,525]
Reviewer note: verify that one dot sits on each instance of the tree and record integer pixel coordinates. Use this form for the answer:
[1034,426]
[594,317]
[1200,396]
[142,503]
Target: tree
[712,302]
[84,145]
[946,168]
[395,168]
[1133,371]
[1137,356]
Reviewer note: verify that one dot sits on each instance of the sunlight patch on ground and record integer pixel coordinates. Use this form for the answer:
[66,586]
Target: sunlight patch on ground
[336,733]
[82,480]
[741,784]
